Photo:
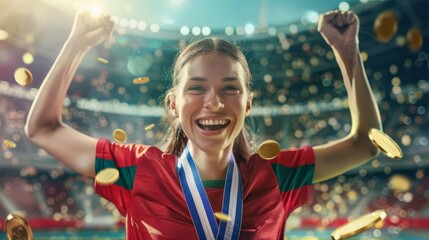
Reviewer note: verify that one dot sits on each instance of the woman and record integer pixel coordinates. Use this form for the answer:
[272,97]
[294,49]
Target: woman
[207,166]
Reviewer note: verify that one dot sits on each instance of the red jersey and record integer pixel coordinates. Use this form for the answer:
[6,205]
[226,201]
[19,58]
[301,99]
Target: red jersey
[149,194]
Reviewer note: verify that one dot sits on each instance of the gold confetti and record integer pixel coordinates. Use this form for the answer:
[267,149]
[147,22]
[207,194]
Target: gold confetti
[120,135]
[149,127]
[9,143]
[103,60]
[222,216]
[268,149]
[107,176]
[141,80]
[23,76]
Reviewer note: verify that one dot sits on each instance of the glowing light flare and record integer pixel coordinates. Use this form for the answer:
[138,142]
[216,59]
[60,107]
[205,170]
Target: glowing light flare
[154,27]
[3,35]
[344,6]
[229,30]
[142,25]
[28,58]
[206,31]
[196,31]
[133,23]
[312,16]
[184,30]
[249,28]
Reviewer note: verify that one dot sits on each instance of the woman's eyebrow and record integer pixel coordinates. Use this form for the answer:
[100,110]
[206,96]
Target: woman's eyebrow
[230,79]
[202,79]
[198,79]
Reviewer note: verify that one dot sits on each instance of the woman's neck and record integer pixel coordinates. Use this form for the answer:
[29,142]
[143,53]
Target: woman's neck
[211,165]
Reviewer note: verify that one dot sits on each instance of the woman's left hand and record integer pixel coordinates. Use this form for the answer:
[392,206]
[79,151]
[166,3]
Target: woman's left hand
[339,29]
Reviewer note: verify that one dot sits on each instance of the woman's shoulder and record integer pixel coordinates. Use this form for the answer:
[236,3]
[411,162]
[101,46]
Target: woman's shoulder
[291,155]
[139,150]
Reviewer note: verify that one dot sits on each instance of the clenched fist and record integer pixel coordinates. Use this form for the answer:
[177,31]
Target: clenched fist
[339,29]
[91,29]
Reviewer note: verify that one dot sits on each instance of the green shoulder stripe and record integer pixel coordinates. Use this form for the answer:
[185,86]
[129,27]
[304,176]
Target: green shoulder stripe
[293,178]
[126,174]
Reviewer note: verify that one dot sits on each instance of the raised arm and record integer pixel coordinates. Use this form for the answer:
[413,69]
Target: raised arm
[44,126]
[340,30]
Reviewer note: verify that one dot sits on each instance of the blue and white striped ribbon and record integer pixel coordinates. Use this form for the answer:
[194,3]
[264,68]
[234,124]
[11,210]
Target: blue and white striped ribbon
[199,205]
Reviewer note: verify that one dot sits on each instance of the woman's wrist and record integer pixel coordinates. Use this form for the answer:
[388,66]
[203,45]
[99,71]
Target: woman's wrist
[76,44]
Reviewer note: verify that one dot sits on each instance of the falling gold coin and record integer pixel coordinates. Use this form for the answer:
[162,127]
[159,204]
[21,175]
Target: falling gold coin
[359,225]
[222,216]
[23,76]
[9,143]
[385,26]
[120,135]
[269,149]
[399,183]
[149,127]
[107,176]
[17,228]
[141,80]
[415,39]
[103,60]
[385,144]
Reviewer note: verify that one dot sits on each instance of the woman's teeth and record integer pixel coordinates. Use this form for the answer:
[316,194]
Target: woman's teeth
[212,122]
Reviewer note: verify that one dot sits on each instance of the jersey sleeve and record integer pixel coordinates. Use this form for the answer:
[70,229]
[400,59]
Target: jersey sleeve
[125,158]
[294,170]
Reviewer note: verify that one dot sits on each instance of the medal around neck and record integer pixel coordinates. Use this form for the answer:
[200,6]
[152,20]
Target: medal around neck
[359,225]
[198,203]
[17,228]
[269,149]
[107,176]
[385,144]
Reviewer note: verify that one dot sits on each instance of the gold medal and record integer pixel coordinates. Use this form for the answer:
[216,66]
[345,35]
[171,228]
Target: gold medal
[141,80]
[222,216]
[269,149]
[359,225]
[107,176]
[23,76]
[17,228]
[9,143]
[120,135]
[385,144]
[149,127]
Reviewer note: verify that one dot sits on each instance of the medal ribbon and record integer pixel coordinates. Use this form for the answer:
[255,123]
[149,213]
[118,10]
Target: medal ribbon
[199,205]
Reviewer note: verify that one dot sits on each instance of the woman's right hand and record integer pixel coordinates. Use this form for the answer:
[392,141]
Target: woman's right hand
[91,29]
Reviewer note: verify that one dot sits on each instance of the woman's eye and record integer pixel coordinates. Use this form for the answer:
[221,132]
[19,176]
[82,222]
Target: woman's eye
[196,89]
[231,89]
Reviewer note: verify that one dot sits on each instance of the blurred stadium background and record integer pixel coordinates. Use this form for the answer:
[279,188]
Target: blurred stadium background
[300,99]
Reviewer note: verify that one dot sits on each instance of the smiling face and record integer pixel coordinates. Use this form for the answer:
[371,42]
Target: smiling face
[211,101]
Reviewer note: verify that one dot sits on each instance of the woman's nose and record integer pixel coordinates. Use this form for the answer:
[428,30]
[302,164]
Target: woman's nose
[213,102]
